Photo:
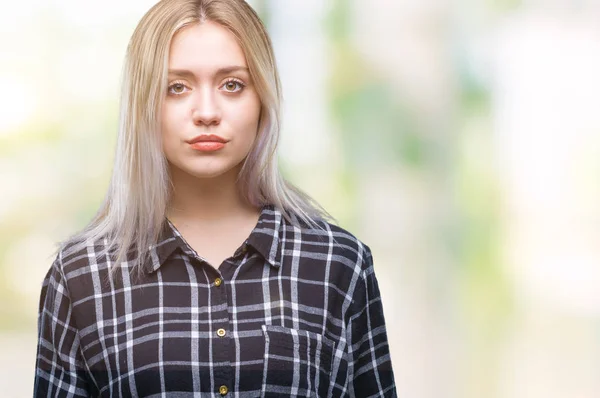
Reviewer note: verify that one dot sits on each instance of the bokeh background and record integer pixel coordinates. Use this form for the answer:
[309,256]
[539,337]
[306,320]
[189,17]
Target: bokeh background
[459,139]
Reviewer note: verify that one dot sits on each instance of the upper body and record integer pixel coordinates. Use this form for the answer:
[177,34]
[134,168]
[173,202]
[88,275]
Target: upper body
[293,312]
[204,271]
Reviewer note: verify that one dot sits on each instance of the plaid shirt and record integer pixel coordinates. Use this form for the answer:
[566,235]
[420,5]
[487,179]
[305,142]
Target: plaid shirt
[294,312]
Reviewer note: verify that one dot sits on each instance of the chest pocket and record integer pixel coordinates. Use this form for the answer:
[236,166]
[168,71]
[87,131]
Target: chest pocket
[296,362]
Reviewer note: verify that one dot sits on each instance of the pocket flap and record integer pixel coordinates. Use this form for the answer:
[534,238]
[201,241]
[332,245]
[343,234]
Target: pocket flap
[299,345]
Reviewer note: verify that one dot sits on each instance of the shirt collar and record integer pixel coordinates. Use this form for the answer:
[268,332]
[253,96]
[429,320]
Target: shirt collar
[265,238]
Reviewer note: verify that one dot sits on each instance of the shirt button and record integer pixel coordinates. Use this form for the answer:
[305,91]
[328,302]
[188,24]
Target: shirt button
[221,332]
[244,249]
[223,390]
[218,282]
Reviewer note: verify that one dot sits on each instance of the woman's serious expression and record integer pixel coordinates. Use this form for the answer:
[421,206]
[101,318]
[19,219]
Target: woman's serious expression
[211,109]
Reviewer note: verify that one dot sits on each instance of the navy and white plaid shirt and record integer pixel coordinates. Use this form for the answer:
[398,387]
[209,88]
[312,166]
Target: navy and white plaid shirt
[294,312]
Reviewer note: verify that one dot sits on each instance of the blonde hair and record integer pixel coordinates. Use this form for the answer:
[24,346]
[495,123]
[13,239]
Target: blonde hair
[134,210]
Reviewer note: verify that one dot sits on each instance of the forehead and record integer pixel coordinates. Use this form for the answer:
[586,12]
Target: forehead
[205,45]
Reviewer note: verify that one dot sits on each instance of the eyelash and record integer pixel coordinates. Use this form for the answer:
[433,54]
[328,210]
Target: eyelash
[230,80]
[173,85]
[237,81]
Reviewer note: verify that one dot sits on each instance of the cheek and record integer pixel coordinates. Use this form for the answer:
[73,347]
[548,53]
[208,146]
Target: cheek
[168,129]
[250,125]
[250,117]
[167,118]
[172,120]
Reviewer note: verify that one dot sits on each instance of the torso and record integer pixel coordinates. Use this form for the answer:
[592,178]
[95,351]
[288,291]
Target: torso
[271,321]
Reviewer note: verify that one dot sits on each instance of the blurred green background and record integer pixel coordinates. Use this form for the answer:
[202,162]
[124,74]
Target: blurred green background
[459,140]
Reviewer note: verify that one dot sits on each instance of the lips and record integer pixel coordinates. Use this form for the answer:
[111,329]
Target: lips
[207,138]
[207,143]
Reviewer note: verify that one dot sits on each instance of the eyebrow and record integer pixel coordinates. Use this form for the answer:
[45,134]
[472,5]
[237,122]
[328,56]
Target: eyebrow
[221,71]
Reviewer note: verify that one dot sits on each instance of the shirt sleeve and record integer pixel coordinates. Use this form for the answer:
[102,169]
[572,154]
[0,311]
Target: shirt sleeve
[370,366]
[59,369]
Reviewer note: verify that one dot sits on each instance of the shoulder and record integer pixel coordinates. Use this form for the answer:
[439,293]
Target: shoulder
[76,257]
[82,268]
[56,280]
[348,245]
[331,240]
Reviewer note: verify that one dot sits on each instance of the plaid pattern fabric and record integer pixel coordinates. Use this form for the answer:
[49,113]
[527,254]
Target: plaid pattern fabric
[294,312]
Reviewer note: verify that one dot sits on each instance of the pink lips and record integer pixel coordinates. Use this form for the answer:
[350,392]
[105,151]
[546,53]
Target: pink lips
[207,143]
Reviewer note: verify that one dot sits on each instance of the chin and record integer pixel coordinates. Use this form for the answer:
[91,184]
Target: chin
[208,174]
[212,170]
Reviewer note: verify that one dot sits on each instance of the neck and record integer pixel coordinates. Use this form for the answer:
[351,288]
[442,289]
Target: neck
[206,200]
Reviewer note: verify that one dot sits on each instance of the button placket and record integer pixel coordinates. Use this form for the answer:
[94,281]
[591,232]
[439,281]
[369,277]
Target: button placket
[222,344]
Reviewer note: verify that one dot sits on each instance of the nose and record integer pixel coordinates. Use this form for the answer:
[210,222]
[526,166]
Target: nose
[205,109]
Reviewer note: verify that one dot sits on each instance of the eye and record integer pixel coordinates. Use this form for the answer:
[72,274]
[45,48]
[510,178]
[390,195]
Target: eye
[233,86]
[177,88]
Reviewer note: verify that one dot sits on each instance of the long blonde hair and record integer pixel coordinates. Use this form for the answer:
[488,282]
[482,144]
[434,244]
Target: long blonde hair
[134,210]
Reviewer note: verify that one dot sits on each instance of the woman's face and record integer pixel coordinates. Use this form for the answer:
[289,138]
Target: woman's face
[211,110]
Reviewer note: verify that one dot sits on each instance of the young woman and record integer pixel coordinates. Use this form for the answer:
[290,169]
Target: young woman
[204,272]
